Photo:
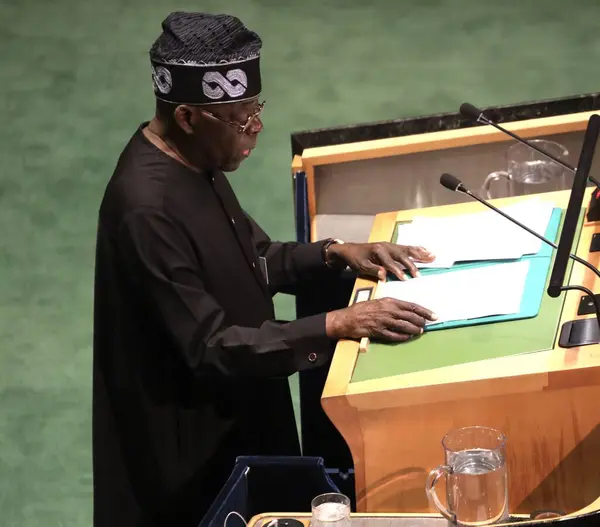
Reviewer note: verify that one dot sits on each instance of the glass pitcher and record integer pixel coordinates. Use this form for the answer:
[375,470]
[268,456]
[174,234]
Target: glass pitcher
[476,477]
[530,172]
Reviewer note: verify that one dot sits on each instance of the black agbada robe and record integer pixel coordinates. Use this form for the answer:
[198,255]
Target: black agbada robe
[190,367]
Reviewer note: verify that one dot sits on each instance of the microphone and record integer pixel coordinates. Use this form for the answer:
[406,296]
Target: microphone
[453,183]
[475,114]
[456,185]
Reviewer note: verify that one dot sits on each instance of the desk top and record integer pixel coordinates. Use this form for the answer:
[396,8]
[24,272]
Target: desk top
[381,367]
[447,347]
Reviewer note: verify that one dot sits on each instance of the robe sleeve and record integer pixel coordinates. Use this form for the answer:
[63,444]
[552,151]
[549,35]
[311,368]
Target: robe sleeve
[161,261]
[291,263]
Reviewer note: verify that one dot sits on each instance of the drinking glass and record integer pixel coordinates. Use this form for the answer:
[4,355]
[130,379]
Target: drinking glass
[476,477]
[330,510]
[530,172]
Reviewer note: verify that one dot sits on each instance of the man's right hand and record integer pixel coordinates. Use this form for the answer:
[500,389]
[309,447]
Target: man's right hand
[383,319]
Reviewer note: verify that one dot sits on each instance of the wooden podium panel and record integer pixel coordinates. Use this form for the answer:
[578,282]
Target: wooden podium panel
[545,401]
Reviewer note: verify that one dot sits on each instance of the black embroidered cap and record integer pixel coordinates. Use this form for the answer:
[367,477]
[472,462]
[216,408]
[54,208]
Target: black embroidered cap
[205,59]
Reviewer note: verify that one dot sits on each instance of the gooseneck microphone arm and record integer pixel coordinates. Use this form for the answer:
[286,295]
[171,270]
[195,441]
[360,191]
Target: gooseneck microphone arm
[475,114]
[456,185]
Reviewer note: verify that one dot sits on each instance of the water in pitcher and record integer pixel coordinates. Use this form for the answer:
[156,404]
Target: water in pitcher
[331,515]
[535,176]
[477,489]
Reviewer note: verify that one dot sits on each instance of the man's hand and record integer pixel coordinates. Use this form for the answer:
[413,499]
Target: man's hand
[384,319]
[375,259]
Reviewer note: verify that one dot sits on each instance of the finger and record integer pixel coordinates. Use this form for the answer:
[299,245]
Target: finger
[408,317]
[401,305]
[410,323]
[407,262]
[420,254]
[391,265]
[400,256]
[391,336]
[407,326]
[371,269]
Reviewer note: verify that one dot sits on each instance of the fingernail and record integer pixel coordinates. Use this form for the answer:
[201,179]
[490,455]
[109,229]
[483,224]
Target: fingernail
[434,316]
[417,274]
[421,330]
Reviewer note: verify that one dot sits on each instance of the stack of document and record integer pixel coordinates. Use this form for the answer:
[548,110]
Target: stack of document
[483,236]
[478,236]
[466,294]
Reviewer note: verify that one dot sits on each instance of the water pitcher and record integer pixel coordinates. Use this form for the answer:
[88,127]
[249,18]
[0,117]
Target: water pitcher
[476,477]
[529,172]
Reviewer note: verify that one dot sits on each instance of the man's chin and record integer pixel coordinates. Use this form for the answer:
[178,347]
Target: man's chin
[232,166]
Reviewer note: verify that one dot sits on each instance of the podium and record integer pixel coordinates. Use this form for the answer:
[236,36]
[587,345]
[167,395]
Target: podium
[544,399]
[343,177]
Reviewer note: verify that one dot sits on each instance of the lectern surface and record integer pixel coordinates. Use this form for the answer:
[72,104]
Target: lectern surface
[436,349]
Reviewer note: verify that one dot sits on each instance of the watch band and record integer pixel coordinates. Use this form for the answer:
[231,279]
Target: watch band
[329,242]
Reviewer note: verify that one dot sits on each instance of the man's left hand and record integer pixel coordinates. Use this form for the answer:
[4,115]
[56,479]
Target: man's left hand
[376,259]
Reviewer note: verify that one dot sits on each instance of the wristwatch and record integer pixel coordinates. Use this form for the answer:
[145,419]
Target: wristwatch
[329,242]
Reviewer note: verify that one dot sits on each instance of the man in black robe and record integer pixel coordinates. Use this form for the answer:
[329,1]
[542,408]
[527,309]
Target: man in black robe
[190,366]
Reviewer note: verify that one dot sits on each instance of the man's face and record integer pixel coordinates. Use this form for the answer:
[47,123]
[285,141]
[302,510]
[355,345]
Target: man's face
[217,136]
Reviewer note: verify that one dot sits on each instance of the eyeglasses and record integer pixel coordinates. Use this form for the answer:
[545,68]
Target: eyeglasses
[241,128]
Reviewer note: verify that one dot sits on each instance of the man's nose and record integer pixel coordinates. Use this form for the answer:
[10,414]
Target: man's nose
[255,126]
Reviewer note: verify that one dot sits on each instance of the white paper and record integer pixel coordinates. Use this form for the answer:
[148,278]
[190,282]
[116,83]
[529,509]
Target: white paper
[536,215]
[467,294]
[478,236]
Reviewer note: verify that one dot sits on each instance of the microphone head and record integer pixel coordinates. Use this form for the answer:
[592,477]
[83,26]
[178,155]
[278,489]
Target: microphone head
[451,182]
[469,111]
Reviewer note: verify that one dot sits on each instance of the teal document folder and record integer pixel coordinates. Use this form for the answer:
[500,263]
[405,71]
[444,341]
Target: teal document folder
[535,283]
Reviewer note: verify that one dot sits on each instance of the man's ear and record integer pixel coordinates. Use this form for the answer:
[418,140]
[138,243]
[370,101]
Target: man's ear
[183,117]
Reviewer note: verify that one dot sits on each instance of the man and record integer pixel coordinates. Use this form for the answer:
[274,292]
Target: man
[190,366]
